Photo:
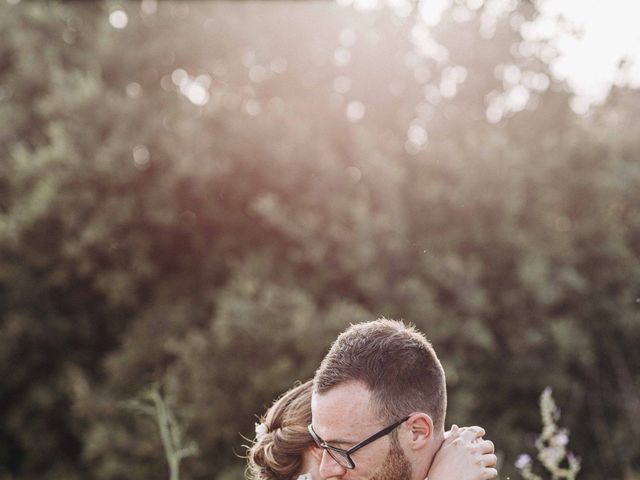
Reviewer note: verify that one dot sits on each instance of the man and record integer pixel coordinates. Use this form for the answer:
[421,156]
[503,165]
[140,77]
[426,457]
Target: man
[378,405]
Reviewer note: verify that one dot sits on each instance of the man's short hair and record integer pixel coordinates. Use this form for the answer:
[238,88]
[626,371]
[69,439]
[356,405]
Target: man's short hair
[395,362]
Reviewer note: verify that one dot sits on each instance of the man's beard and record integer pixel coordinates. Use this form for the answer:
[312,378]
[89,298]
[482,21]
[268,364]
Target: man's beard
[396,466]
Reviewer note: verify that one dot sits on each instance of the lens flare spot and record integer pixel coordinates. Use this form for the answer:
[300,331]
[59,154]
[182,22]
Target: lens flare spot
[355,111]
[141,157]
[118,19]
[133,89]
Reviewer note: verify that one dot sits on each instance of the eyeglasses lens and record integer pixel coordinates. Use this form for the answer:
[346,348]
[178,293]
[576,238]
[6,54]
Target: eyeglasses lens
[340,457]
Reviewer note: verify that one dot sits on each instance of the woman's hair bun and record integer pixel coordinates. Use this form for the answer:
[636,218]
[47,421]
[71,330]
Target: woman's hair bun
[282,437]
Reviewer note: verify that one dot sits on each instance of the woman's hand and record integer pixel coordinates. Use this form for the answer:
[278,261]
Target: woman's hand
[464,455]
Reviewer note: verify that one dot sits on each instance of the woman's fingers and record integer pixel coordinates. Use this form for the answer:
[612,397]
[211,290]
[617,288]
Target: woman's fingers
[489,473]
[479,431]
[486,446]
[488,460]
[468,434]
[465,454]
[472,433]
[453,433]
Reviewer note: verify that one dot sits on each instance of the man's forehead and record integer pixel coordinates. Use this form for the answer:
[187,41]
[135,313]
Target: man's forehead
[342,412]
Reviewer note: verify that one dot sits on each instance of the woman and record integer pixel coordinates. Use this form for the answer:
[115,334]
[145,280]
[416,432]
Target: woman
[284,450]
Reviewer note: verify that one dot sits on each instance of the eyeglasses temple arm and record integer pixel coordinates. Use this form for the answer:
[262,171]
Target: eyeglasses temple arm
[373,438]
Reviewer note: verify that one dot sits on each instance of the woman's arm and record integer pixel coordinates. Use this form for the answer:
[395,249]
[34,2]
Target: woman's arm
[464,455]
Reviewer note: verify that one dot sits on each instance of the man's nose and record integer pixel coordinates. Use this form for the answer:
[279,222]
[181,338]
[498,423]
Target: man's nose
[329,467]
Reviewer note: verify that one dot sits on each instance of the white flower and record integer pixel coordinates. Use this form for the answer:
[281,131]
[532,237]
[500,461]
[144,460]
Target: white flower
[522,461]
[551,455]
[261,429]
[561,438]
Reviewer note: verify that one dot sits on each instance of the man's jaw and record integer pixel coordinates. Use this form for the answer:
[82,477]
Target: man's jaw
[396,465]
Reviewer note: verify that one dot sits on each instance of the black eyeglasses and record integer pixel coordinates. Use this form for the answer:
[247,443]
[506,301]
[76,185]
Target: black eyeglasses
[343,457]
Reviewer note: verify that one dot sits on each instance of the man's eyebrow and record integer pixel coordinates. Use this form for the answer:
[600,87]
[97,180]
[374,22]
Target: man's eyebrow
[335,441]
[339,441]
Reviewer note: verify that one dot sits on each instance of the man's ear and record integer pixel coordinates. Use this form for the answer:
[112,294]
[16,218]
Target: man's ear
[421,430]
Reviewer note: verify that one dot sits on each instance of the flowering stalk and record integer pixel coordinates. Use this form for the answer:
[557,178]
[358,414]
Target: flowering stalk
[176,449]
[551,446]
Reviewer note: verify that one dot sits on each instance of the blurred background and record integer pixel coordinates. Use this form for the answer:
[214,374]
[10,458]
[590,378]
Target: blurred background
[204,194]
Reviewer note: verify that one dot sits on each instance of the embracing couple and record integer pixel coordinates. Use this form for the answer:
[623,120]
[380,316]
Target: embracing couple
[374,410]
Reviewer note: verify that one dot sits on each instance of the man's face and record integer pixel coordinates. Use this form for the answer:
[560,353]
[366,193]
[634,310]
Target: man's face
[343,417]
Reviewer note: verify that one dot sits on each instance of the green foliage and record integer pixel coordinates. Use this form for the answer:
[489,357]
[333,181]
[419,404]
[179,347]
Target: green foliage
[144,237]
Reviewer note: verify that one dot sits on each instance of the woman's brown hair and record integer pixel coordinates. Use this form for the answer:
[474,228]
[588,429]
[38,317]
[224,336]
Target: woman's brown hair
[282,438]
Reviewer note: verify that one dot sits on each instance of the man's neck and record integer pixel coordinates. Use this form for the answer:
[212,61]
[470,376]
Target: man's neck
[427,458]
